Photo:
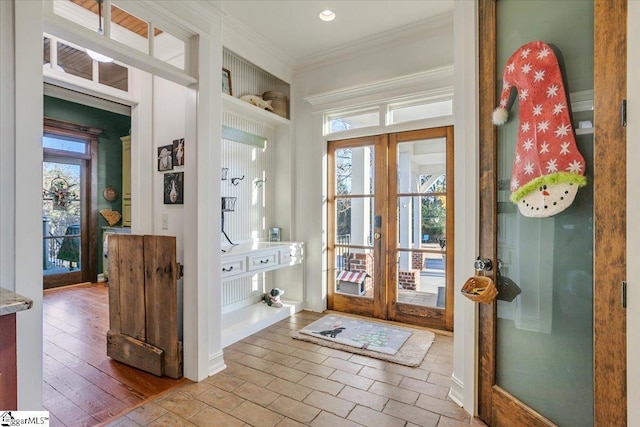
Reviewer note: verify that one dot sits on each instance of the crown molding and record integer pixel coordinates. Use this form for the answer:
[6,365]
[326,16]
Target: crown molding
[245,42]
[426,82]
[424,29]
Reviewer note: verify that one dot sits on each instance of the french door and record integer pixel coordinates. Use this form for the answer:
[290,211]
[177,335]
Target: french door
[390,215]
[552,348]
[69,218]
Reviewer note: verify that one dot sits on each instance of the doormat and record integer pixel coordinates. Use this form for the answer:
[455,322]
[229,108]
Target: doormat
[370,338]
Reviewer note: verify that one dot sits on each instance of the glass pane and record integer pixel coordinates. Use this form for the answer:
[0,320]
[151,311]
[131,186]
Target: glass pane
[129,30]
[354,170]
[60,218]
[422,222]
[422,166]
[354,221]
[354,271]
[545,304]
[406,113]
[422,277]
[46,51]
[353,120]
[75,61]
[113,75]
[64,144]
[169,48]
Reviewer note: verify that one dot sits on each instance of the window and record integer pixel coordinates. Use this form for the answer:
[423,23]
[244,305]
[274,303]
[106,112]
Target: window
[352,120]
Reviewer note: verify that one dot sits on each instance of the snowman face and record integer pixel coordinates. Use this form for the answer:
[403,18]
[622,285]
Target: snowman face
[548,200]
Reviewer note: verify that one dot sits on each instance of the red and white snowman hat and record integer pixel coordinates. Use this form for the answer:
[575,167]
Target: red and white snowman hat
[547,168]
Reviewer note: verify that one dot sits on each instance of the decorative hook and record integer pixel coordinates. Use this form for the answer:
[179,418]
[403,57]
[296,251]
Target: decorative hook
[236,181]
[259,183]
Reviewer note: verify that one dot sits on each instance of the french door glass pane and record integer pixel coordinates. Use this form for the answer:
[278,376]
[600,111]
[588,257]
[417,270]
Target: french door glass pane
[61,209]
[421,277]
[544,354]
[354,221]
[354,170]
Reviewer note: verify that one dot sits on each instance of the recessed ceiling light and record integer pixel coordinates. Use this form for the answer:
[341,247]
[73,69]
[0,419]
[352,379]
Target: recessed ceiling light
[327,15]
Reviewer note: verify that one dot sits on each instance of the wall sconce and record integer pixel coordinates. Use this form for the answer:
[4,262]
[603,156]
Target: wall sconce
[236,181]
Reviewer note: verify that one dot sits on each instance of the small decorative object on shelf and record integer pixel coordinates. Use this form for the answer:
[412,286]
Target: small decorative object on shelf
[257,101]
[278,102]
[274,234]
[165,158]
[273,298]
[226,82]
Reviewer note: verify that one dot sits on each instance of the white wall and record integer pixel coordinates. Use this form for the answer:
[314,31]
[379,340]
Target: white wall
[633,205]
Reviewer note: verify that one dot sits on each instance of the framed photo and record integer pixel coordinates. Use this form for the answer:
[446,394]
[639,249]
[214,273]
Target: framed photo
[173,188]
[165,158]
[226,82]
[178,152]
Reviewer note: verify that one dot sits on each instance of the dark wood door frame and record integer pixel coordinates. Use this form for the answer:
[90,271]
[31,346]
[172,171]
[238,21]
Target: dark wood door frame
[610,400]
[89,223]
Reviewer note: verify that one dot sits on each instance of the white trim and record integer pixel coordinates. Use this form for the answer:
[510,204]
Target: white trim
[216,363]
[434,82]
[456,392]
[400,127]
[53,89]
[424,29]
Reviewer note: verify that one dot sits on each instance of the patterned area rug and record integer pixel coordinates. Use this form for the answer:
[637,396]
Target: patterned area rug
[370,338]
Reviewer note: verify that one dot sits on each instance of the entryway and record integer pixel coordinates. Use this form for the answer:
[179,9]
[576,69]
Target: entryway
[390,216]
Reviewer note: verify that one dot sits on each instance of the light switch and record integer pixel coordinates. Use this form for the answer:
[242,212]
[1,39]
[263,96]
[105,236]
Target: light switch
[165,221]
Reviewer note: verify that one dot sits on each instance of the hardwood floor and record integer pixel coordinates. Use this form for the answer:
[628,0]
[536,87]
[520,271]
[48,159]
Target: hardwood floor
[82,386]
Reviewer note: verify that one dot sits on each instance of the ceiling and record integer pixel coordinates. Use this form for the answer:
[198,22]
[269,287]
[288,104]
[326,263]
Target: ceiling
[295,28]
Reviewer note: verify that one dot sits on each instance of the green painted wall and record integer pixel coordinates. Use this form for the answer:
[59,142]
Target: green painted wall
[109,150]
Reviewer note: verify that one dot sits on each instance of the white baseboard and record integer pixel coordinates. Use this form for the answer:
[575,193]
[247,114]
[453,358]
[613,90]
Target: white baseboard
[216,363]
[456,392]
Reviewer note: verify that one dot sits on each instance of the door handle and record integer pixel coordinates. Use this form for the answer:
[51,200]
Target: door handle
[377,236]
[483,264]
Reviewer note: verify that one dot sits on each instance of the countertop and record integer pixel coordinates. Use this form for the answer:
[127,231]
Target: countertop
[254,246]
[10,302]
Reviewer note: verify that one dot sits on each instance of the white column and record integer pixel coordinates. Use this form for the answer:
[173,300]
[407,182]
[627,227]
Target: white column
[404,212]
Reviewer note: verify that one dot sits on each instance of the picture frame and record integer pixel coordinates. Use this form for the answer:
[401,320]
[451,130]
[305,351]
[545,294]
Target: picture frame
[165,158]
[178,152]
[174,188]
[226,82]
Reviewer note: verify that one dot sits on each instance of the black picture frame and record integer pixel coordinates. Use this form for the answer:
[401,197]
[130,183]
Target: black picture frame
[178,152]
[174,188]
[226,82]
[165,158]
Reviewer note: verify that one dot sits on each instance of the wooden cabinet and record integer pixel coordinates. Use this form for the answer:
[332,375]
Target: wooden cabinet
[8,371]
[126,180]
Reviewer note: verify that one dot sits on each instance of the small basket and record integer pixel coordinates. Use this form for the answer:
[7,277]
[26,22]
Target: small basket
[480,289]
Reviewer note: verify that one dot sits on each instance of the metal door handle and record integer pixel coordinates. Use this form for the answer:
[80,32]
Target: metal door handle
[483,264]
[377,235]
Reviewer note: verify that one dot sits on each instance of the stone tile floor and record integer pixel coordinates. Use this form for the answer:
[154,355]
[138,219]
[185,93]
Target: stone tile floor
[274,380]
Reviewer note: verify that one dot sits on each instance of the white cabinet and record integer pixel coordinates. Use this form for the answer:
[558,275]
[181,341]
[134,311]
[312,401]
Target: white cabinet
[257,258]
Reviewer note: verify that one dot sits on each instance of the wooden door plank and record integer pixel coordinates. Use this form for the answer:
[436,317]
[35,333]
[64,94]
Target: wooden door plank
[609,193]
[126,282]
[136,353]
[161,300]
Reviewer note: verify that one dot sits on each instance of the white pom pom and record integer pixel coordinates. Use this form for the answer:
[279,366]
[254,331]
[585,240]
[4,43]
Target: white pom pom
[500,116]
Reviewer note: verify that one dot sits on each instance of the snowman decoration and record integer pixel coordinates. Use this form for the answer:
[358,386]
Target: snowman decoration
[547,169]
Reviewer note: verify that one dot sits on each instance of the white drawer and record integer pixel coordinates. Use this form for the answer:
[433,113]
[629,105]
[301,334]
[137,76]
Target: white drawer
[265,260]
[290,255]
[233,267]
